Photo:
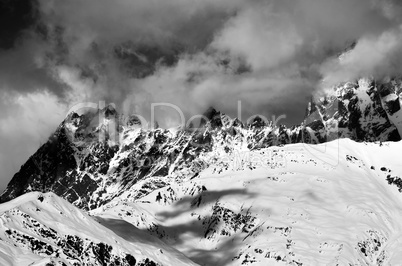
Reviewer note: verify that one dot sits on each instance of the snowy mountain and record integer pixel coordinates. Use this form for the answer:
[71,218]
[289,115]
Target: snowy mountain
[43,229]
[226,193]
[94,157]
[335,204]
[367,110]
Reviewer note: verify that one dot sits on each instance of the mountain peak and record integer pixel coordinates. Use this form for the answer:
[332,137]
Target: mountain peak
[109,111]
[258,122]
[210,113]
[211,116]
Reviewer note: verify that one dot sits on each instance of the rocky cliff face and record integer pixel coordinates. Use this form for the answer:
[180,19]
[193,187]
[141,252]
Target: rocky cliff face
[94,157]
[365,110]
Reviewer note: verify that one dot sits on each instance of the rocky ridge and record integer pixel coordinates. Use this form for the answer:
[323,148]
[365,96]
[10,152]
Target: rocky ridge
[94,157]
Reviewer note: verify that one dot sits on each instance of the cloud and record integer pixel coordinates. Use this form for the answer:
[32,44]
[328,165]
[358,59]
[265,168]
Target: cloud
[201,80]
[264,38]
[202,53]
[271,55]
[373,56]
[146,21]
[26,123]
[24,70]
[101,44]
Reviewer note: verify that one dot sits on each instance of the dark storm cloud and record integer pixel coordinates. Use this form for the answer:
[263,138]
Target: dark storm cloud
[287,48]
[18,69]
[98,49]
[70,46]
[15,17]
[149,21]
[24,70]
[90,49]
[272,55]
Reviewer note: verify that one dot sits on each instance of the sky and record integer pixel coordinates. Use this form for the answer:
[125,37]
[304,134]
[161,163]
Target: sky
[272,55]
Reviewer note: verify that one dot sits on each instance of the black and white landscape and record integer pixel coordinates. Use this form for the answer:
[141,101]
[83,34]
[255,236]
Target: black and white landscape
[214,133]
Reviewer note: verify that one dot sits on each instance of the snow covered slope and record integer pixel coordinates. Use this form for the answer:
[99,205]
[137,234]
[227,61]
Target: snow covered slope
[337,203]
[333,204]
[43,229]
